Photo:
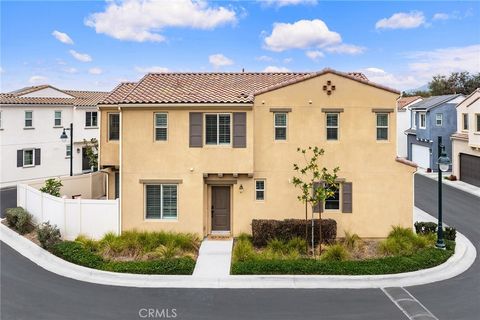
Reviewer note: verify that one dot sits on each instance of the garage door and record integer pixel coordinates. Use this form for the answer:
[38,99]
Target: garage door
[421,156]
[470,169]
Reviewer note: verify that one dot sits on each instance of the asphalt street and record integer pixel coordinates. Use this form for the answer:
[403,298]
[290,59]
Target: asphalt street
[30,292]
[8,199]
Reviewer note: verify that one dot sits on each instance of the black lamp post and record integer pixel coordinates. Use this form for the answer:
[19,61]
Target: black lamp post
[443,166]
[64,138]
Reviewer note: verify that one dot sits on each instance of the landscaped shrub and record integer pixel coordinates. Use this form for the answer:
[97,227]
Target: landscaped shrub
[449,233]
[19,219]
[402,242]
[52,187]
[88,243]
[297,244]
[48,235]
[351,240]
[243,250]
[75,252]
[264,230]
[335,252]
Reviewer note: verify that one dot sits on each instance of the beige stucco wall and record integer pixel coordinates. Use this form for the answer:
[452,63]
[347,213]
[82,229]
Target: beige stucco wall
[382,187]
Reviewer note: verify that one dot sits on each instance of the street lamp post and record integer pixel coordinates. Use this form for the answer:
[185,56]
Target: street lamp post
[443,166]
[64,137]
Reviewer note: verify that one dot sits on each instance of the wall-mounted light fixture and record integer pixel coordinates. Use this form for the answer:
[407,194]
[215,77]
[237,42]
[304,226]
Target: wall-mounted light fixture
[240,188]
[78,150]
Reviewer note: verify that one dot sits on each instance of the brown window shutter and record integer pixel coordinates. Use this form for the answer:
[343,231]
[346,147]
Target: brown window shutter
[239,129]
[196,130]
[19,158]
[319,206]
[347,203]
[37,157]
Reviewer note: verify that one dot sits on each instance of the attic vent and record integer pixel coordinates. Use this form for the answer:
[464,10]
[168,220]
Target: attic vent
[243,95]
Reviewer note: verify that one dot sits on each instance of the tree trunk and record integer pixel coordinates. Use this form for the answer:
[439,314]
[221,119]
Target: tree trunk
[320,233]
[313,233]
[306,227]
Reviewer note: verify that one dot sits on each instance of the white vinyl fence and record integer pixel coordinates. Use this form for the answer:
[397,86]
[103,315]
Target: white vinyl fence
[73,217]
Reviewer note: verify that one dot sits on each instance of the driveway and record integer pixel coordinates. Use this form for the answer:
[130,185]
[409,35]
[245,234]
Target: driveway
[8,199]
[29,291]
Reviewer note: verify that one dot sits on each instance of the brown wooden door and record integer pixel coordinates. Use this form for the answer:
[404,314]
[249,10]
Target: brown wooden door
[220,208]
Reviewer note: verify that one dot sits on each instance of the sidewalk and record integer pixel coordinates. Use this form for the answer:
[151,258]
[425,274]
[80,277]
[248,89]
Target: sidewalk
[214,258]
[460,185]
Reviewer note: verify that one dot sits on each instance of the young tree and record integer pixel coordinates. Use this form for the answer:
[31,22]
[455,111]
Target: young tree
[92,152]
[316,184]
[52,186]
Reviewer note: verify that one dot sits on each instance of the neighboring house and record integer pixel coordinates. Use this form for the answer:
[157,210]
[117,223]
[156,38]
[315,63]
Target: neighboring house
[432,117]
[403,122]
[31,122]
[466,141]
[208,152]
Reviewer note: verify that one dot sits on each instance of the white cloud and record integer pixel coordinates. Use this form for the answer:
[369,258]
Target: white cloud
[264,58]
[300,35]
[70,70]
[287,60]
[346,49]
[37,79]
[219,60]
[95,71]
[315,54]
[441,16]
[283,3]
[62,37]
[81,56]
[142,20]
[276,69]
[1,70]
[375,70]
[152,69]
[402,20]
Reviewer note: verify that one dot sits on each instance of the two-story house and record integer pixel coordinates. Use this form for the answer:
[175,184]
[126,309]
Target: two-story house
[404,115]
[208,152]
[466,141]
[31,123]
[430,118]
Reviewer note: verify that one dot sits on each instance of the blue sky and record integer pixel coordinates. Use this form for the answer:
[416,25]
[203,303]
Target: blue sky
[97,44]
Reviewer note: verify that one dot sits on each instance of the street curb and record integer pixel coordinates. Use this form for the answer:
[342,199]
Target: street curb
[463,258]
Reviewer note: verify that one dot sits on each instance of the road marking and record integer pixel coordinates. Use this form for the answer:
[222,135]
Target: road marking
[408,304]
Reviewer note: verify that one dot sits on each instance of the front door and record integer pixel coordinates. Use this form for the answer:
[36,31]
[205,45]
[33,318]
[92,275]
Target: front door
[220,208]
[85,160]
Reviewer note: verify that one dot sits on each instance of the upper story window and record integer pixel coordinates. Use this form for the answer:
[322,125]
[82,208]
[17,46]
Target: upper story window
[218,129]
[423,120]
[161,201]
[57,119]
[439,119]
[477,117]
[91,119]
[332,126]
[259,190]
[414,115]
[113,126]
[382,126]
[28,119]
[280,124]
[465,121]
[161,125]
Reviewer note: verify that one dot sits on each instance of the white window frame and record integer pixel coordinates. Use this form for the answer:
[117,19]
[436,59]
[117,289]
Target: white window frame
[275,126]
[218,129]
[262,190]
[332,127]
[33,158]
[339,201]
[160,127]
[108,123]
[439,118]
[91,122]
[55,119]
[424,114]
[414,125]
[68,148]
[25,119]
[382,127]
[161,201]
[465,124]
[477,122]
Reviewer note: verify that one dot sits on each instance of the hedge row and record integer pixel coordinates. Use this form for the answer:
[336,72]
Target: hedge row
[264,230]
[423,259]
[75,252]
[450,233]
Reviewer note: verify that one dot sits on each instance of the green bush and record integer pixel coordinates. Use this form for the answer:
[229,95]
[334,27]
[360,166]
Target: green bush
[52,187]
[335,252]
[402,242]
[88,243]
[297,244]
[19,219]
[351,240]
[168,251]
[48,235]
[75,252]
[243,250]
[425,258]
[264,230]
[449,233]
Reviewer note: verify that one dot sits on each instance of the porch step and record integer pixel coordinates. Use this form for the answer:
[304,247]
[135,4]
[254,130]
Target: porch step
[214,258]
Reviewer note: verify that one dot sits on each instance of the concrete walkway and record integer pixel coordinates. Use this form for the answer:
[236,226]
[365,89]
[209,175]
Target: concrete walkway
[460,185]
[214,258]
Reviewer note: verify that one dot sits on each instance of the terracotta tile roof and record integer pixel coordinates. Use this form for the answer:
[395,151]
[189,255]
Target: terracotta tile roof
[79,98]
[404,101]
[118,94]
[358,75]
[203,87]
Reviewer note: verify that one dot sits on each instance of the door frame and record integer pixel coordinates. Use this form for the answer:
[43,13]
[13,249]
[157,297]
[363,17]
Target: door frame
[209,208]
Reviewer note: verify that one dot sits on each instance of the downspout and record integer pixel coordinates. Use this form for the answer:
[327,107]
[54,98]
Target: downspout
[120,173]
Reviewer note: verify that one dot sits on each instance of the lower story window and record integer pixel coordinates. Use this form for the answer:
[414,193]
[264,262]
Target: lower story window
[28,156]
[260,190]
[161,201]
[333,202]
[68,151]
